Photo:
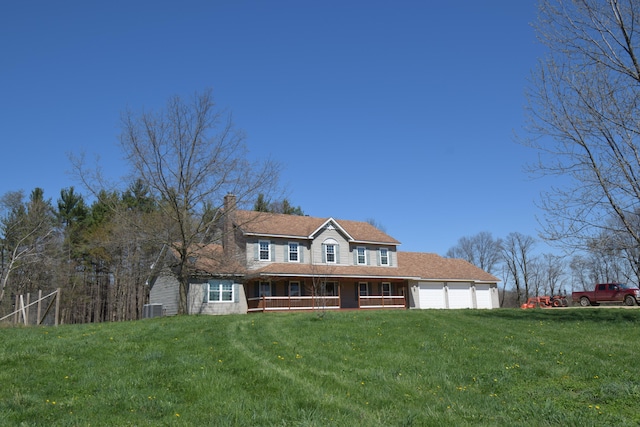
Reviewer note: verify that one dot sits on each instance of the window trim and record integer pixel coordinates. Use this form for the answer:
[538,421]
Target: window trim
[333,253]
[297,252]
[389,291]
[261,251]
[386,256]
[297,283]
[367,290]
[334,286]
[221,291]
[269,287]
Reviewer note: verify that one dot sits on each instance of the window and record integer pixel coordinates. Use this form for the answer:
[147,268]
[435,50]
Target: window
[361,255]
[330,252]
[386,289]
[294,289]
[293,252]
[384,256]
[264,250]
[220,292]
[330,289]
[264,289]
[363,289]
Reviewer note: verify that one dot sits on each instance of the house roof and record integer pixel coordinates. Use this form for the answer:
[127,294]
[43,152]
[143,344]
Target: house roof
[411,265]
[433,267]
[209,259]
[304,227]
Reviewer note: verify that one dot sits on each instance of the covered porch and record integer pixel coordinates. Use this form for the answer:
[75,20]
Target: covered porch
[303,293]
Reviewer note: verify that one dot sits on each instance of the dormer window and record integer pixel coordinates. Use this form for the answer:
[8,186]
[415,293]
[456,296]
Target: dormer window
[330,251]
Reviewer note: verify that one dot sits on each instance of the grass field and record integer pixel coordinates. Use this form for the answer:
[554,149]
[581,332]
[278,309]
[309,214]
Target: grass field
[359,368]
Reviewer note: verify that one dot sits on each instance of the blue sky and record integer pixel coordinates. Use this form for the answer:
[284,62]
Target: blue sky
[403,112]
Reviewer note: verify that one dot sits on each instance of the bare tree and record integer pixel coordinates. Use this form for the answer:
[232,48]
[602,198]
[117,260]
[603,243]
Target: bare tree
[517,255]
[27,231]
[481,250]
[585,120]
[190,155]
[550,274]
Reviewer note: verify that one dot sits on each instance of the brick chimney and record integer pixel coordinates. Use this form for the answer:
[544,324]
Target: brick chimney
[228,235]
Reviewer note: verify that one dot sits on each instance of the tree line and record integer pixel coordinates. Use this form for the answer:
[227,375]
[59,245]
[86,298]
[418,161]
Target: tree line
[525,272]
[184,159]
[95,252]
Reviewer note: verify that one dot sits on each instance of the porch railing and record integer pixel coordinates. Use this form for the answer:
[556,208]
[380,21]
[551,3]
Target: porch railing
[321,302]
[293,303]
[379,301]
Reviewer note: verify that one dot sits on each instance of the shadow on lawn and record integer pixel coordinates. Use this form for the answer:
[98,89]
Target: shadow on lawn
[601,314]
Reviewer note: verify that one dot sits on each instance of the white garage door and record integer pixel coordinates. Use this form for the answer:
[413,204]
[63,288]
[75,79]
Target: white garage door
[483,296]
[432,295]
[460,295]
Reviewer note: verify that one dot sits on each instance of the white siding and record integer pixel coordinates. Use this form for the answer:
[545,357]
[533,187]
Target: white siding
[460,295]
[432,295]
[483,296]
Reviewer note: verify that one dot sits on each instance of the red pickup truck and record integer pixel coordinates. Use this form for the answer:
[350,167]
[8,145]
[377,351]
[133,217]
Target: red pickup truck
[608,292]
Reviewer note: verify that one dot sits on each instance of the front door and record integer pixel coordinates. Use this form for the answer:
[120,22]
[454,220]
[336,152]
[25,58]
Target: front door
[348,295]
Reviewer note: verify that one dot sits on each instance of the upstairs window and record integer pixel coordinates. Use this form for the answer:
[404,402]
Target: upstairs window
[361,255]
[330,253]
[384,256]
[294,255]
[264,250]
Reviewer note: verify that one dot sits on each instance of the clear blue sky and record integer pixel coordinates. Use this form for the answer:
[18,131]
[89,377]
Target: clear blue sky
[402,111]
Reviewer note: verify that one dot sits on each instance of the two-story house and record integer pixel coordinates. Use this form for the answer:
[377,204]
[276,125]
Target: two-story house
[288,262]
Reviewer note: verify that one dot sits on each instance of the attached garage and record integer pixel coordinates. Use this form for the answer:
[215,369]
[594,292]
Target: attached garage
[459,295]
[453,295]
[483,296]
[432,295]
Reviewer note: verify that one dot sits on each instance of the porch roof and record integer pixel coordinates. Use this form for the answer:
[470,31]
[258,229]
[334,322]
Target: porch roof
[411,266]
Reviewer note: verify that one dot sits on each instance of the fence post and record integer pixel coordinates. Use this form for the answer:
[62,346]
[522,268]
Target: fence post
[16,310]
[26,314]
[23,310]
[39,306]
[57,307]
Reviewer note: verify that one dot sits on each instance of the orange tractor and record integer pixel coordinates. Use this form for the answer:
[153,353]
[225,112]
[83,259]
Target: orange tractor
[546,302]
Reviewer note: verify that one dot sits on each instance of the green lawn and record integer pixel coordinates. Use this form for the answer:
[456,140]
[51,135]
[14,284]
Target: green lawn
[358,368]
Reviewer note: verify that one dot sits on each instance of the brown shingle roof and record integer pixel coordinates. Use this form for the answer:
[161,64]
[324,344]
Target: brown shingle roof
[411,265]
[270,224]
[210,259]
[432,266]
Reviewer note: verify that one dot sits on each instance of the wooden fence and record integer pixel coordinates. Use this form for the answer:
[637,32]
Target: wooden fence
[23,309]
